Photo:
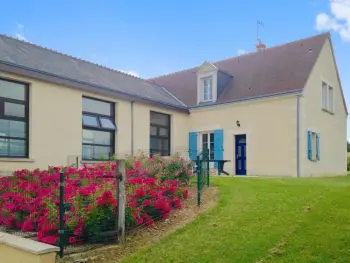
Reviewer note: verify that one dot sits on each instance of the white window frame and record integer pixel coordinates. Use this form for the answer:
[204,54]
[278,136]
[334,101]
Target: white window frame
[200,144]
[207,84]
[327,97]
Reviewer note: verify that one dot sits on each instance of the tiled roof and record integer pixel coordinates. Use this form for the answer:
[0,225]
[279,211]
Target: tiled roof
[37,59]
[276,70]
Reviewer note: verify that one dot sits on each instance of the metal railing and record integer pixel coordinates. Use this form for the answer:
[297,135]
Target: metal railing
[203,172]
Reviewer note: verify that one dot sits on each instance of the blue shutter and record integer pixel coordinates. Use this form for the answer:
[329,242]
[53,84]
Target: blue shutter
[193,145]
[218,146]
[317,147]
[309,145]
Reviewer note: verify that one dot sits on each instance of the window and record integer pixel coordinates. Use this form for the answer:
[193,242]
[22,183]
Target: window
[313,146]
[208,143]
[327,97]
[207,89]
[14,123]
[98,129]
[159,134]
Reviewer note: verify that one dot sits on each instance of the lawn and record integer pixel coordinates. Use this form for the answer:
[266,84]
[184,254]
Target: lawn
[264,220]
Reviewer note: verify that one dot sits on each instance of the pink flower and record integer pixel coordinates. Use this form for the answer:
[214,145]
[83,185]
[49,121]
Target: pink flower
[28,225]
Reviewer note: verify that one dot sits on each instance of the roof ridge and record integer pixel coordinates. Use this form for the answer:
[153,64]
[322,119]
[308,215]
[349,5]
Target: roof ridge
[239,56]
[71,56]
[273,47]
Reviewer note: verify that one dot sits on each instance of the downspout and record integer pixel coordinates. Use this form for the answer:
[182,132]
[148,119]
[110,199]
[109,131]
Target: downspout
[298,135]
[132,128]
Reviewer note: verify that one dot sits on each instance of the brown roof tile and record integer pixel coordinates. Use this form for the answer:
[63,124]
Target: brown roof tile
[279,69]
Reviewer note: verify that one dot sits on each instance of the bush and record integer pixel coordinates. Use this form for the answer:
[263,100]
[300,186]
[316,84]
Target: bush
[29,200]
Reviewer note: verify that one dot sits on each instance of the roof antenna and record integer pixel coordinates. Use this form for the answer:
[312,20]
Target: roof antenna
[258,24]
[260,46]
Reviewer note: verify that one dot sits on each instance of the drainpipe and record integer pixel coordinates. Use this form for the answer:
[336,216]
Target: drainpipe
[132,128]
[298,135]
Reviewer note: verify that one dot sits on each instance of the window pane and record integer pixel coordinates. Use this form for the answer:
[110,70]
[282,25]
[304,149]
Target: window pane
[153,130]
[205,138]
[211,154]
[324,95]
[12,109]
[163,132]
[92,152]
[96,106]
[107,123]
[154,144]
[96,137]
[330,107]
[11,147]
[12,90]
[160,119]
[90,121]
[164,145]
[11,128]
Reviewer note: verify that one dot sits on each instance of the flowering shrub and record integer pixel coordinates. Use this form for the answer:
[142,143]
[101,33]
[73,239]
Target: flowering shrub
[29,200]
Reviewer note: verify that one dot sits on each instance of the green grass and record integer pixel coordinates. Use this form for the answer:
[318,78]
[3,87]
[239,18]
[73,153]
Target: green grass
[274,220]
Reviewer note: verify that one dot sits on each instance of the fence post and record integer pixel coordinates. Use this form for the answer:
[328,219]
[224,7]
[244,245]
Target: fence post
[208,167]
[121,199]
[198,181]
[61,230]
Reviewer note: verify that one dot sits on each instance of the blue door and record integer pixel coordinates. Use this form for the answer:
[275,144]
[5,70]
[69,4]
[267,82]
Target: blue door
[241,155]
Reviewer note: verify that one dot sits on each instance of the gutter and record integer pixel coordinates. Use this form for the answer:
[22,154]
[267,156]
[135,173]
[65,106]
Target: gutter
[293,92]
[132,127]
[46,76]
[298,135]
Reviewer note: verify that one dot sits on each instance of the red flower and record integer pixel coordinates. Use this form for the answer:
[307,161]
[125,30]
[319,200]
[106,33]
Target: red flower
[73,240]
[146,202]
[139,220]
[185,193]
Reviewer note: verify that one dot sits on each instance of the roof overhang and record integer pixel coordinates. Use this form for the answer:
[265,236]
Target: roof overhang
[84,86]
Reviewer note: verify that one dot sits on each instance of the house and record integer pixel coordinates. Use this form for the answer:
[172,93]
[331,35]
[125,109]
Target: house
[278,111]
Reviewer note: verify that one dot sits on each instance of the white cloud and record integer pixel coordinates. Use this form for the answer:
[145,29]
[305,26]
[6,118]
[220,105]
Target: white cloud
[130,72]
[20,32]
[241,52]
[338,20]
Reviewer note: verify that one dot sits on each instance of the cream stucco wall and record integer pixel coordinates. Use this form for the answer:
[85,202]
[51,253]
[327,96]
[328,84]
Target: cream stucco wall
[55,127]
[331,127]
[270,127]
[10,254]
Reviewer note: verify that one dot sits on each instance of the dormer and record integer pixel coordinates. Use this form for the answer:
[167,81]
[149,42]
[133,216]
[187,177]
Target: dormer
[211,81]
[207,76]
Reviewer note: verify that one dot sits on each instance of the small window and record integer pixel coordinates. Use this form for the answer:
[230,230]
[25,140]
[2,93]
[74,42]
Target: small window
[159,133]
[107,123]
[207,89]
[327,97]
[330,99]
[14,119]
[313,146]
[98,129]
[90,121]
[324,95]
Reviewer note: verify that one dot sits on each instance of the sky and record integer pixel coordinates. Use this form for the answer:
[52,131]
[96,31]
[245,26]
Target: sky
[152,38]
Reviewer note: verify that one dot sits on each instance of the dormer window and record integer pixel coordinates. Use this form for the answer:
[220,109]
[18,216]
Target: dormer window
[207,89]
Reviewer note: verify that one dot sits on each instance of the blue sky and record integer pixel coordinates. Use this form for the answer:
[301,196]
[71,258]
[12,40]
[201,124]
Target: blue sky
[154,37]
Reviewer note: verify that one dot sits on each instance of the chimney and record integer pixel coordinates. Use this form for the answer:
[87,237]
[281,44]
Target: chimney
[260,46]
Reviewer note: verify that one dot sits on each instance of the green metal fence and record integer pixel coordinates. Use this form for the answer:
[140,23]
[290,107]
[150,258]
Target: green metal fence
[202,173]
